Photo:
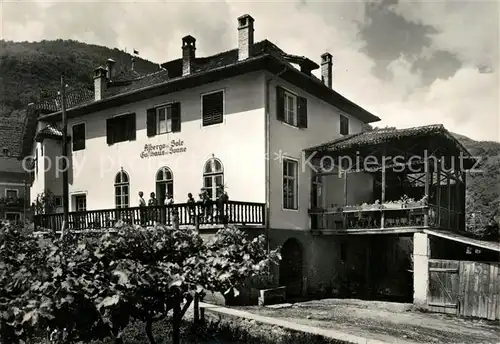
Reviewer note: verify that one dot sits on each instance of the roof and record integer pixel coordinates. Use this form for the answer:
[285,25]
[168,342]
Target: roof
[49,132]
[11,132]
[73,98]
[208,69]
[494,246]
[385,135]
[11,165]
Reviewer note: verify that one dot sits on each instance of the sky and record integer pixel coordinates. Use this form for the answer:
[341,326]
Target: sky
[409,62]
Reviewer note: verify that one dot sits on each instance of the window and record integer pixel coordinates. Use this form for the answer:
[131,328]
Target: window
[164,119]
[122,185]
[120,128]
[13,217]
[290,108]
[212,105]
[164,184]
[344,125]
[290,185]
[58,201]
[11,193]
[213,178]
[80,202]
[78,137]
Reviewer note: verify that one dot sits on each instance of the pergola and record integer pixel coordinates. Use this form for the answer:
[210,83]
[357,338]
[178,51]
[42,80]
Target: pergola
[428,156]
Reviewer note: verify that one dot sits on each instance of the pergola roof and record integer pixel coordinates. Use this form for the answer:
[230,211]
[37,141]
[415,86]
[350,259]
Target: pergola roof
[388,135]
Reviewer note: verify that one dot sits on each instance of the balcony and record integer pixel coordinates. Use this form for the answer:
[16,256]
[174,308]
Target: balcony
[245,214]
[394,217]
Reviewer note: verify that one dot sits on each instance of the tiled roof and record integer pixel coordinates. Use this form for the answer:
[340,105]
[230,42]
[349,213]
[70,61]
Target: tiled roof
[11,132]
[383,135]
[73,98]
[11,165]
[49,132]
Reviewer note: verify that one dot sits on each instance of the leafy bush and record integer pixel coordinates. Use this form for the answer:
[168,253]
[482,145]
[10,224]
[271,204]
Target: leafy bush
[78,288]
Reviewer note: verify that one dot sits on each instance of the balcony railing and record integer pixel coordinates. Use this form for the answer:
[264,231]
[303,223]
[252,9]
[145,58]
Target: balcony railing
[12,202]
[230,212]
[392,216]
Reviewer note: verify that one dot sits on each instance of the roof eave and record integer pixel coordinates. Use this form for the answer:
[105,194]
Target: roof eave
[363,115]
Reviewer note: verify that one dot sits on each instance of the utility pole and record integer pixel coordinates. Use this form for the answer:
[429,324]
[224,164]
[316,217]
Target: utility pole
[65,157]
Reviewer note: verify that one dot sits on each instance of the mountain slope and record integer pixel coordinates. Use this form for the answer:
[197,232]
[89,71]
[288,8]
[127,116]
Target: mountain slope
[27,68]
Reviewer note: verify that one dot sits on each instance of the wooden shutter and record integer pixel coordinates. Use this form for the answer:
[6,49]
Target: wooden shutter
[280,104]
[302,112]
[151,122]
[109,131]
[131,127]
[176,117]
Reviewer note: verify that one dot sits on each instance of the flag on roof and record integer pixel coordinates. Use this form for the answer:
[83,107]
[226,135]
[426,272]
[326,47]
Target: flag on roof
[136,52]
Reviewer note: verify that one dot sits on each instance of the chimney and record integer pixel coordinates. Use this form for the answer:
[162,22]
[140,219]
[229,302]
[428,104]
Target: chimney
[326,69]
[100,82]
[188,54]
[110,68]
[245,36]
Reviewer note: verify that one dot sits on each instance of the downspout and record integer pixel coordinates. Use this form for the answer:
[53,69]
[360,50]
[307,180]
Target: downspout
[268,152]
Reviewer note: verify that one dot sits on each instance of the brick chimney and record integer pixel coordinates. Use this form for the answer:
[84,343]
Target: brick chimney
[326,69]
[245,36]
[110,68]
[188,54]
[100,82]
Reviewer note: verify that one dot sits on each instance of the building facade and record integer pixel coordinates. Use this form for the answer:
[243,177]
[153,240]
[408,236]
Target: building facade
[245,132]
[239,120]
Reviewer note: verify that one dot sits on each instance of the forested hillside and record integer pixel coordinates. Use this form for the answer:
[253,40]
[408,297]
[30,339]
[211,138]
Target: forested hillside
[28,68]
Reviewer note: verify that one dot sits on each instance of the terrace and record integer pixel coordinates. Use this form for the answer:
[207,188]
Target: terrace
[245,214]
[390,181]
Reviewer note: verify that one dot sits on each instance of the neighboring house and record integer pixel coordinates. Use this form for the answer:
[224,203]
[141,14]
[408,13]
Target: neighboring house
[255,121]
[14,181]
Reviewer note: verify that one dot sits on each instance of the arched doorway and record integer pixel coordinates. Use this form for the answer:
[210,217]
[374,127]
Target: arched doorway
[164,184]
[291,268]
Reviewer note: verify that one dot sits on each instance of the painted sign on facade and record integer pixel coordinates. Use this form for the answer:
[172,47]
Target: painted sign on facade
[174,147]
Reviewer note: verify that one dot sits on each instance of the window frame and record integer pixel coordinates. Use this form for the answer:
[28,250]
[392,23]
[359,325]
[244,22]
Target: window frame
[213,177]
[157,118]
[296,184]
[18,214]
[164,181]
[73,136]
[114,118]
[294,96]
[121,185]
[58,202]
[76,197]
[340,124]
[15,190]
[223,120]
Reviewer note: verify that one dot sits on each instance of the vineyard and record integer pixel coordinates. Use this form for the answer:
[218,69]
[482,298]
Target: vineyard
[81,288]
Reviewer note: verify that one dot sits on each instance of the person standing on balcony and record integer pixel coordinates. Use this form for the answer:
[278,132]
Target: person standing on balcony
[191,205]
[142,204]
[153,202]
[169,202]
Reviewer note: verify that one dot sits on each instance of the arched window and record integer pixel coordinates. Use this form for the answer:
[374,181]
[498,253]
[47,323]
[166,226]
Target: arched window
[122,190]
[164,184]
[213,177]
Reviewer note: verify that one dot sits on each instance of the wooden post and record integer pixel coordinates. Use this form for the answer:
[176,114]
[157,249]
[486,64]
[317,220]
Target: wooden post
[65,157]
[344,216]
[438,195]
[196,308]
[382,196]
[448,182]
[426,190]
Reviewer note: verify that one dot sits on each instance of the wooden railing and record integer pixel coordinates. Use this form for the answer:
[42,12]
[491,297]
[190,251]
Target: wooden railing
[412,216]
[230,212]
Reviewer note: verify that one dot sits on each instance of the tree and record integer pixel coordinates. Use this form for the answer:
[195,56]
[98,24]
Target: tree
[133,274]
